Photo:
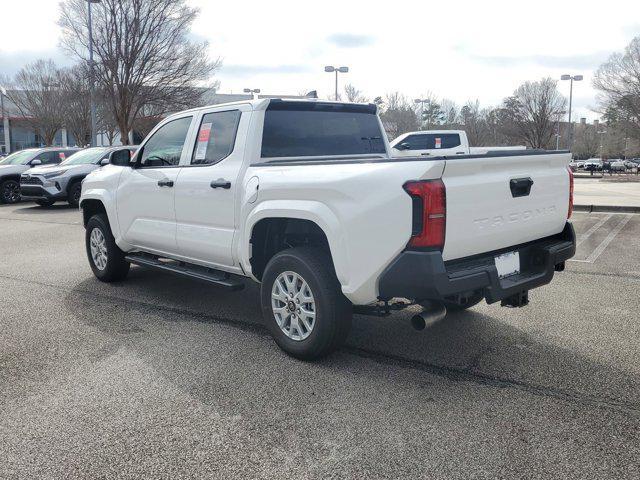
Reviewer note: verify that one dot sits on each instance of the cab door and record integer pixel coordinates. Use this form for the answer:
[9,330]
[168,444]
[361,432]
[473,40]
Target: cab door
[208,187]
[146,193]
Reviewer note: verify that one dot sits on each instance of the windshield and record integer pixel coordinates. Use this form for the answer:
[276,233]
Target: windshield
[18,158]
[83,157]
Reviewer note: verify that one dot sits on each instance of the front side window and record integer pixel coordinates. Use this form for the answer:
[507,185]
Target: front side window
[216,137]
[90,155]
[299,129]
[48,158]
[164,148]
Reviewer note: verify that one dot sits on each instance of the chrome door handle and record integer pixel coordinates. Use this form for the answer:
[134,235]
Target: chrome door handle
[221,183]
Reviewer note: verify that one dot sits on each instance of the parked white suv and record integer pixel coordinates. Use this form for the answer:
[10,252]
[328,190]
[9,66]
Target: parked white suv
[304,197]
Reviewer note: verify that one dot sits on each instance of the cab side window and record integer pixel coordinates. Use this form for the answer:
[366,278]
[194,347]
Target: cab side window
[216,137]
[164,148]
[48,158]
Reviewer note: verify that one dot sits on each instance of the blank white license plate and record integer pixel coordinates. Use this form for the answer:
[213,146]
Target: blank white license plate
[508,264]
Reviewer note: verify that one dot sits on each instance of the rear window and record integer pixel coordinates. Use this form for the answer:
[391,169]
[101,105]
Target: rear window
[305,129]
[431,141]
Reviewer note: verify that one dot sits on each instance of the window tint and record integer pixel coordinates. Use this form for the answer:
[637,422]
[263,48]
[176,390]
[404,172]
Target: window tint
[216,137]
[48,158]
[432,141]
[164,148]
[314,129]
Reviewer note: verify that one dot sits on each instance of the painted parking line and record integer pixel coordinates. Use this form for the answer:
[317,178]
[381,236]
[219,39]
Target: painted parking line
[605,243]
[588,233]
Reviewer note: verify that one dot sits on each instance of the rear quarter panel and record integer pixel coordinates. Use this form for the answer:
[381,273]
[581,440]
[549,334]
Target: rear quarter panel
[361,207]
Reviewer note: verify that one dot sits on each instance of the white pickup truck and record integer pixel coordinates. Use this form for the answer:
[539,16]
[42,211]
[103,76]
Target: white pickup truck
[305,198]
[440,142]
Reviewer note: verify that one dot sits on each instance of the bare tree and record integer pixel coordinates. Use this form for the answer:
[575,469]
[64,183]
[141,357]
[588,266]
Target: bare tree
[36,94]
[77,103]
[354,95]
[529,114]
[397,114]
[618,81]
[143,55]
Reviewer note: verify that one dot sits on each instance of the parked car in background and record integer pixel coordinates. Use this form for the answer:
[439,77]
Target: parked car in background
[440,143]
[573,166]
[618,166]
[630,164]
[12,166]
[51,183]
[593,165]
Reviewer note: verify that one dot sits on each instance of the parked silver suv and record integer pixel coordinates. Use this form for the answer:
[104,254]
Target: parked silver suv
[48,184]
[19,162]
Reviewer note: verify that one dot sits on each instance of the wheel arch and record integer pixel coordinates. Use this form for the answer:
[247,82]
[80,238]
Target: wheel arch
[309,224]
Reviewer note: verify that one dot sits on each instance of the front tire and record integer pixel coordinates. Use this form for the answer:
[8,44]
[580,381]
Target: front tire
[73,196]
[302,303]
[105,258]
[9,191]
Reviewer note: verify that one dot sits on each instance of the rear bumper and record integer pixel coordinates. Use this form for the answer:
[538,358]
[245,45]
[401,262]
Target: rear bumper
[425,276]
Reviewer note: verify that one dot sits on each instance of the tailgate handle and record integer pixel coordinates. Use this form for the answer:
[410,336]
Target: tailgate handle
[520,187]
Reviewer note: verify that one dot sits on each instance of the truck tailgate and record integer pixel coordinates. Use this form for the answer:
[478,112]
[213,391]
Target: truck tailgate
[488,207]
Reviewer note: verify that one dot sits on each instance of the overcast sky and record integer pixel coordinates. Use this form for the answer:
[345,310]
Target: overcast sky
[459,50]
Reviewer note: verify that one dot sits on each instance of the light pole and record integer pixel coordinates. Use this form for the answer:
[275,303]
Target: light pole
[92,78]
[571,78]
[602,134]
[331,69]
[5,120]
[253,91]
[558,129]
[422,102]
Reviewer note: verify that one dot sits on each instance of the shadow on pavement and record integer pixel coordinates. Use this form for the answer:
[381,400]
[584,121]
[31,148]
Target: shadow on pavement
[467,346]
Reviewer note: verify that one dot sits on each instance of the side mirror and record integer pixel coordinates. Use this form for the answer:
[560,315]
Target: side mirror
[36,162]
[104,161]
[121,157]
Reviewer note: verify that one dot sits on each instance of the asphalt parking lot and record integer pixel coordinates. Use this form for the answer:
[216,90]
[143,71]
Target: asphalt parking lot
[165,377]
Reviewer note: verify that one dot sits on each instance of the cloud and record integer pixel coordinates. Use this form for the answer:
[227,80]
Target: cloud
[589,61]
[350,40]
[247,70]
[11,63]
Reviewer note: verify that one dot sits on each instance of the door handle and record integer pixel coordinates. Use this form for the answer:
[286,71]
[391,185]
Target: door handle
[165,183]
[221,183]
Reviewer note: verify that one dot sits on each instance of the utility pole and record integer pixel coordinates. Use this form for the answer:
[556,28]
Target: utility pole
[92,79]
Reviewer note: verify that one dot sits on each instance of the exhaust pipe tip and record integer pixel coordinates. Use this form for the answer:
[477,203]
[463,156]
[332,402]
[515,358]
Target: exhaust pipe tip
[429,316]
[418,323]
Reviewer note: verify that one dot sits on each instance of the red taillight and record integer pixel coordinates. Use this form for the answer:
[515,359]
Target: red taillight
[570,193]
[430,213]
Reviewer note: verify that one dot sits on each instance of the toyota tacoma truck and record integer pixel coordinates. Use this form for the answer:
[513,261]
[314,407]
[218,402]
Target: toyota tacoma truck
[48,184]
[304,197]
[440,142]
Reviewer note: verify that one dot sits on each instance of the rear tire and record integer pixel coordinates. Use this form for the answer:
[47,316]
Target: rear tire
[105,258]
[45,203]
[9,191]
[309,272]
[73,196]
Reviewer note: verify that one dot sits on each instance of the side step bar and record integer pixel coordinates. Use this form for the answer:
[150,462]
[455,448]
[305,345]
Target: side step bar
[196,272]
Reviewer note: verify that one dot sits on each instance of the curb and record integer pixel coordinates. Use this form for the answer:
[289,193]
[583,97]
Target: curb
[607,208]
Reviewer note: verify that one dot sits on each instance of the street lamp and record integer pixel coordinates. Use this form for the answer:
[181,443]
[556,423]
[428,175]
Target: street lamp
[421,102]
[253,91]
[571,78]
[92,78]
[602,133]
[5,120]
[331,69]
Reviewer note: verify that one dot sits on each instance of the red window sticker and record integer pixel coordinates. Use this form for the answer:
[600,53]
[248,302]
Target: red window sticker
[203,141]
[438,142]
[61,155]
